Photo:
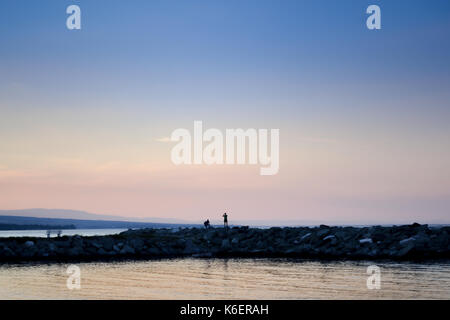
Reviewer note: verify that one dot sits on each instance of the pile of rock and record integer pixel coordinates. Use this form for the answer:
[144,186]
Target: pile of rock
[398,242]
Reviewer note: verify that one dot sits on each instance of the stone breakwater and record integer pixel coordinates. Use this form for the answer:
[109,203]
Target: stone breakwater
[397,242]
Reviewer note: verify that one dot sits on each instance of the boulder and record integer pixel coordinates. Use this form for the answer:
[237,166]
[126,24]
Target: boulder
[406,250]
[406,241]
[7,252]
[260,244]
[137,244]
[225,244]
[107,243]
[190,248]
[96,245]
[127,250]
[74,252]
[63,244]
[202,255]
[153,251]
[305,236]
[29,244]
[322,232]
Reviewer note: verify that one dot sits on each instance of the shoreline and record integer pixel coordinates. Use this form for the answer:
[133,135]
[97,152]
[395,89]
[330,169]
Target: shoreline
[399,243]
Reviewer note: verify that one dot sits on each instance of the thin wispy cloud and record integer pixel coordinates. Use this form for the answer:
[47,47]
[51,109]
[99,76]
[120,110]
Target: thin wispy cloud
[319,139]
[164,139]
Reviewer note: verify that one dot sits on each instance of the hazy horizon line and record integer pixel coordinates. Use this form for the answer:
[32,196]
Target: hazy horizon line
[175,220]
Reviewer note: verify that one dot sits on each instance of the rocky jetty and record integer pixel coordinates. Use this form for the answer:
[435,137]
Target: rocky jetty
[398,242]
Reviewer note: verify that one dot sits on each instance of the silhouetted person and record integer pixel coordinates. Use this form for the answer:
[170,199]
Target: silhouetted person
[225,220]
[206,223]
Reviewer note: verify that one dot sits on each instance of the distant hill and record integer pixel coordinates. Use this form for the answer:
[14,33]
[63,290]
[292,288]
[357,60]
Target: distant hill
[85,224]
[83,215]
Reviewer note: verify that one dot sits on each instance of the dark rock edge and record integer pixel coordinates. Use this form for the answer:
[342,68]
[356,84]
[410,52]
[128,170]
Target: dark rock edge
[408,242]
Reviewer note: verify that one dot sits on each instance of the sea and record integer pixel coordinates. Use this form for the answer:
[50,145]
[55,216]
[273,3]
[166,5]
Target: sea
[68,232]
[191,279]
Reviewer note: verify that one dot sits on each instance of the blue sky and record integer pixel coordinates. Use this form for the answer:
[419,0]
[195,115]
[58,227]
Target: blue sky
[139,69]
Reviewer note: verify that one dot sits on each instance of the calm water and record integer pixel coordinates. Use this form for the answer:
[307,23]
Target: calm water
[43,233]
[226,279]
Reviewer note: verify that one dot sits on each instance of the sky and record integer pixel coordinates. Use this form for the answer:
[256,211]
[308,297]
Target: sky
[85,115]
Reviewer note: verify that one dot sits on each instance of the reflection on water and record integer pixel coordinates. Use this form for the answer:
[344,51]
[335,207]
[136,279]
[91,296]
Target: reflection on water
[227,279]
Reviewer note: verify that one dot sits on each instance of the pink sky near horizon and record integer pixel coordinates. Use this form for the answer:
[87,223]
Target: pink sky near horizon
[363,114]
[340,177]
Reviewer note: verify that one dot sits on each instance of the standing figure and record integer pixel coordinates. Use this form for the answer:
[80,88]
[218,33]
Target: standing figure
[225,220]
[206,223]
